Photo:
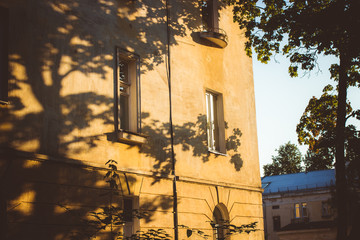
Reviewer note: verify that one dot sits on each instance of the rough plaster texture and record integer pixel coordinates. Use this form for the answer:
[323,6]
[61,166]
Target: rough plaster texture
[55,133]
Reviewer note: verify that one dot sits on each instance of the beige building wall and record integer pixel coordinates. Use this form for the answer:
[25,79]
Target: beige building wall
[58,130]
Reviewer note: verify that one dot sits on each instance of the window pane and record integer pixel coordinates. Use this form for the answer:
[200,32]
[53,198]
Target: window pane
[123,71]
[219,224]
[297,210]
[215,123]
[124,112]
[124,89]
[325,209]
[304,210]
[128,210]
[210,115]
[208,122]
[126,75]
[276,223]
[212,121]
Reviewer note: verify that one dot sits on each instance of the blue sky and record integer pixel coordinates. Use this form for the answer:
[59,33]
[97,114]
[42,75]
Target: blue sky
[281,100]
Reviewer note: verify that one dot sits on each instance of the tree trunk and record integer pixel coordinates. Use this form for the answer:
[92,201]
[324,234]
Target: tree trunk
[341,186]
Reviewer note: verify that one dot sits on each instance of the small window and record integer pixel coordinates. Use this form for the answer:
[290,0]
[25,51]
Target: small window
[304,209]
[215,122]
[275,207]
[128,210]
[127,85]
[276,223]
[297,210]
[301,210]
[221,218]
[325,210]
[131,224]
[4,34]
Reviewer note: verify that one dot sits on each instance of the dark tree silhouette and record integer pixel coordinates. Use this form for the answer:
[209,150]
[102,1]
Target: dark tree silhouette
[302,30]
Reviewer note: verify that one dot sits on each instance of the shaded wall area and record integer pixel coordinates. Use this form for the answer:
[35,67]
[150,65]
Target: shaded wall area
[61,92]
[54,133]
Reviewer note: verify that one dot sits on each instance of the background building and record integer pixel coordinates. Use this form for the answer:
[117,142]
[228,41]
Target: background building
[90,81]
[299,206]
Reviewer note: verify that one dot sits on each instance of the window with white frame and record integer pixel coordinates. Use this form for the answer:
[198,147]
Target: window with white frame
[215,122]
[127,85]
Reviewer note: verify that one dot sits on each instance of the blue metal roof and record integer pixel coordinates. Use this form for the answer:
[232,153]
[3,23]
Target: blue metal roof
[298,181]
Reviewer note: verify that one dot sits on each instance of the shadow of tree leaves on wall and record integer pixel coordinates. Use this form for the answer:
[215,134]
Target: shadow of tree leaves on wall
[57,45]
[190,136]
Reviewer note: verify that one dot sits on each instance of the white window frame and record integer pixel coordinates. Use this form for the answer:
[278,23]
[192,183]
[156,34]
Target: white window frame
[215,122]
[211,114]
[127,91]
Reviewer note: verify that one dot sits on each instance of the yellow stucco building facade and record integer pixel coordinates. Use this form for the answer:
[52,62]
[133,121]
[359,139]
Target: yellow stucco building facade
[163,88]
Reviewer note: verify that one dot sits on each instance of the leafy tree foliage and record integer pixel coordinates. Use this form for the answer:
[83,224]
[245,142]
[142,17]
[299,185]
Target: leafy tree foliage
[317,129]
[226,226]
[302,30]
[319,160]
[287,161]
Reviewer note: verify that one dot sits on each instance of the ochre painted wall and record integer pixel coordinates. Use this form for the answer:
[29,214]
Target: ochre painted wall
[55,135]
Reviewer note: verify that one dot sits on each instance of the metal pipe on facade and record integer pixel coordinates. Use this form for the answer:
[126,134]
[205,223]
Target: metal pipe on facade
[168,63]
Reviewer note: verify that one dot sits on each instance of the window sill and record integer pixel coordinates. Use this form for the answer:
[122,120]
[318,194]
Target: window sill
[2,102]
[127,137]
[217,153]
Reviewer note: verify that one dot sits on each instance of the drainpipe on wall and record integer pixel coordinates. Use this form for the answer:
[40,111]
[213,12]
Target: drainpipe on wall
[168,63]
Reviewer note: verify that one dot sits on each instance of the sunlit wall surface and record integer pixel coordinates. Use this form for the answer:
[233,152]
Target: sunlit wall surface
[88,82]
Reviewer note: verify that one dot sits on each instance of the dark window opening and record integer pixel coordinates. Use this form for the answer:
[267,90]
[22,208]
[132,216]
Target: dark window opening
[128,210]
[275,207]
[221,220]
[131,222]
[4,38]
[304,210]
[276,223]
[209,11]
[326,210]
